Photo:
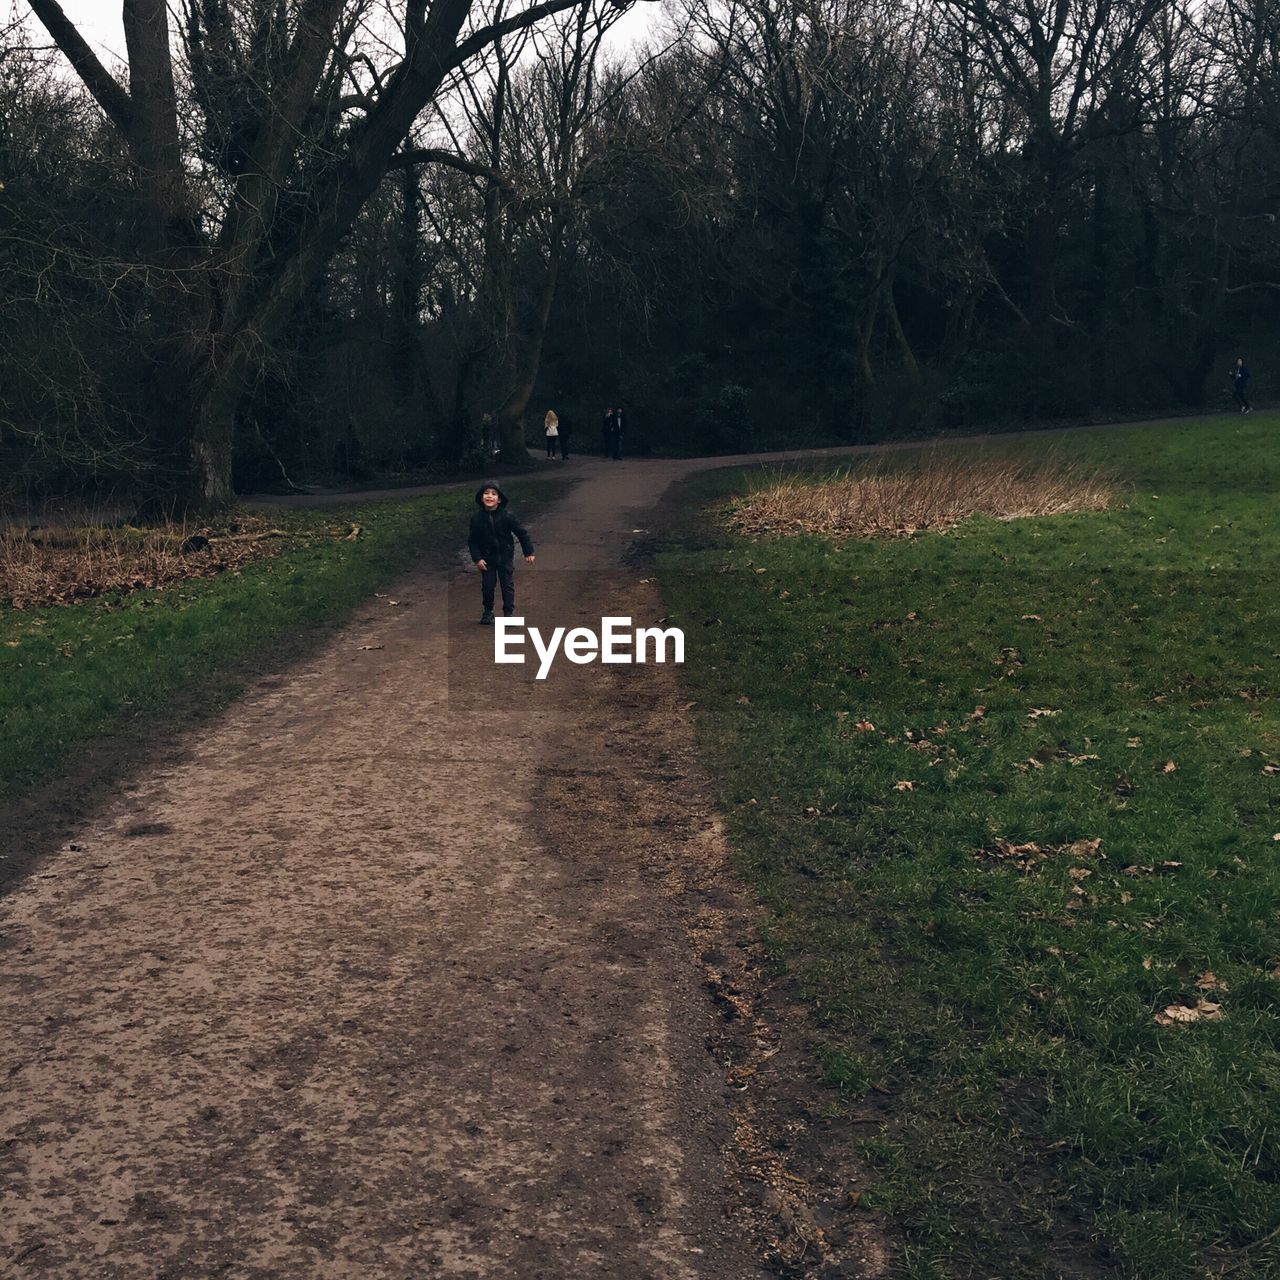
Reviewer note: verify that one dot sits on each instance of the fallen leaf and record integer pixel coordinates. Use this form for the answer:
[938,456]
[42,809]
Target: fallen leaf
[977,713]
[1020,855]
[368,647]
[1079,873]
[1201,1011]
[1209,981]
[1031,617]
[1037,712]
[1081,759]
[904,785]
[865,726]
[1146,962]
[1168,767]
[744,701]
[1271,768]
[1134,743]
[1083,848]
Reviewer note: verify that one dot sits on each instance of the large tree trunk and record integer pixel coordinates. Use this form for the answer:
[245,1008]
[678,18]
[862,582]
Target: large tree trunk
[1042,262]
[907,355]
[510,417]
[213,423]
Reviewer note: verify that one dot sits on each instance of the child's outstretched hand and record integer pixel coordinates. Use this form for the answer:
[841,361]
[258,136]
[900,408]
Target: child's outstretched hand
[482,564]
[529,559]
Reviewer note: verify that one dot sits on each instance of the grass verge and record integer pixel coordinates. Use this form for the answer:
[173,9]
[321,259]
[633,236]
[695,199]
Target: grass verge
[122,666]
[1011,794]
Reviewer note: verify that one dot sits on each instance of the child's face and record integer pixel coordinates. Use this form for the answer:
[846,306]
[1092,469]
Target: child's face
[490,499]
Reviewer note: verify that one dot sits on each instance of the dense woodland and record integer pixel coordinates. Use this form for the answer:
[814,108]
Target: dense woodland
[329,240]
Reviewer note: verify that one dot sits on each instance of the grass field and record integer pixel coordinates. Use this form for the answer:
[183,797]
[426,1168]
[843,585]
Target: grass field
[1012,797]
[123,665]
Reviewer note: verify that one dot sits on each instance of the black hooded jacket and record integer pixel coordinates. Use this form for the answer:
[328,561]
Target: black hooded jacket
[491,534]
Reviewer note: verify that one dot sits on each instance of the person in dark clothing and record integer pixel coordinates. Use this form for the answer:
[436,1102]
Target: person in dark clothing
[615,438]
[606,433]
[566,429]
[1240,381]
[493,529]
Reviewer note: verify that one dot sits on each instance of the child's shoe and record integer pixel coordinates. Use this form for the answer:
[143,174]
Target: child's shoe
[486,618]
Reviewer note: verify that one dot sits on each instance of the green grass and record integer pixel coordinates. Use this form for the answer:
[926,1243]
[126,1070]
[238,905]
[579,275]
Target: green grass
[1039,1121]
[121,667]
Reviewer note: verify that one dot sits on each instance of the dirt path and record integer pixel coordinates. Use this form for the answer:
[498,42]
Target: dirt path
[403,971]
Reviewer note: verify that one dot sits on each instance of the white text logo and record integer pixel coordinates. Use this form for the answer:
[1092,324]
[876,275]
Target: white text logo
[618,642]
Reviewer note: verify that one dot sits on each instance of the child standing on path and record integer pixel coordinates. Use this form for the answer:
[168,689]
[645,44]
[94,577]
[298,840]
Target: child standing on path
[551,424]
[493,528]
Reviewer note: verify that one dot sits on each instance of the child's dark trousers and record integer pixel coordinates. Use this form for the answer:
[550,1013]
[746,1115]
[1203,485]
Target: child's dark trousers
[489,578]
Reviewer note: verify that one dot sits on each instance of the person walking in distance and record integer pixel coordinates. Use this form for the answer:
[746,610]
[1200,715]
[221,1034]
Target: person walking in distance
[1240,384]
[493,528]
[551,425]
[566,430]
[606,433]
[616,435]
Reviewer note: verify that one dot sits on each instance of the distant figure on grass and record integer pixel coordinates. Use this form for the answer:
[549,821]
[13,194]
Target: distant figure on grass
[493,529]
[551,425]
[615,436]
[1240,383]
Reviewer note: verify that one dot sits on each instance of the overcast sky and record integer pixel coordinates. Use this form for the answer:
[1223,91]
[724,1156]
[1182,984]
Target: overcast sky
[99,23]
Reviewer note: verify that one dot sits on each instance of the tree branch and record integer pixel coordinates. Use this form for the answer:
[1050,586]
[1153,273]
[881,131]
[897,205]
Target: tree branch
[435,155]
[476,42]
[106,90]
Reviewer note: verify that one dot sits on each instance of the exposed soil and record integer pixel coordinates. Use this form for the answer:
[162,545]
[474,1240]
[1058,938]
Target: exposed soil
[413,965]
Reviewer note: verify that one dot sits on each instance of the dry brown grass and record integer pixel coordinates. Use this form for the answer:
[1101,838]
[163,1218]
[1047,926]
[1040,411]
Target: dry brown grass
[60,566]
[937,491]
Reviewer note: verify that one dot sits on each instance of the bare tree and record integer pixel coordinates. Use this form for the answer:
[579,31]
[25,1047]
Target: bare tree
[525,127]
[1061,64]
[224,279]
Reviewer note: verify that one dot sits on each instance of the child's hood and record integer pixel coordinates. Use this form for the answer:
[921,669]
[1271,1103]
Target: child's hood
[488,484]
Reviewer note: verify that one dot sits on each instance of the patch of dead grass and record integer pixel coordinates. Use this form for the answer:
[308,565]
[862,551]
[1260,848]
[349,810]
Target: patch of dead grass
[53,566]
[937,492]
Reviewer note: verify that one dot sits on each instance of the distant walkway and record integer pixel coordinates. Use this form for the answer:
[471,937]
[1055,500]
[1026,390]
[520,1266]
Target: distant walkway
[676,468]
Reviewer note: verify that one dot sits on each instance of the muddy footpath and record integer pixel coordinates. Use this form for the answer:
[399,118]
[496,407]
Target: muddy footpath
[413,965]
